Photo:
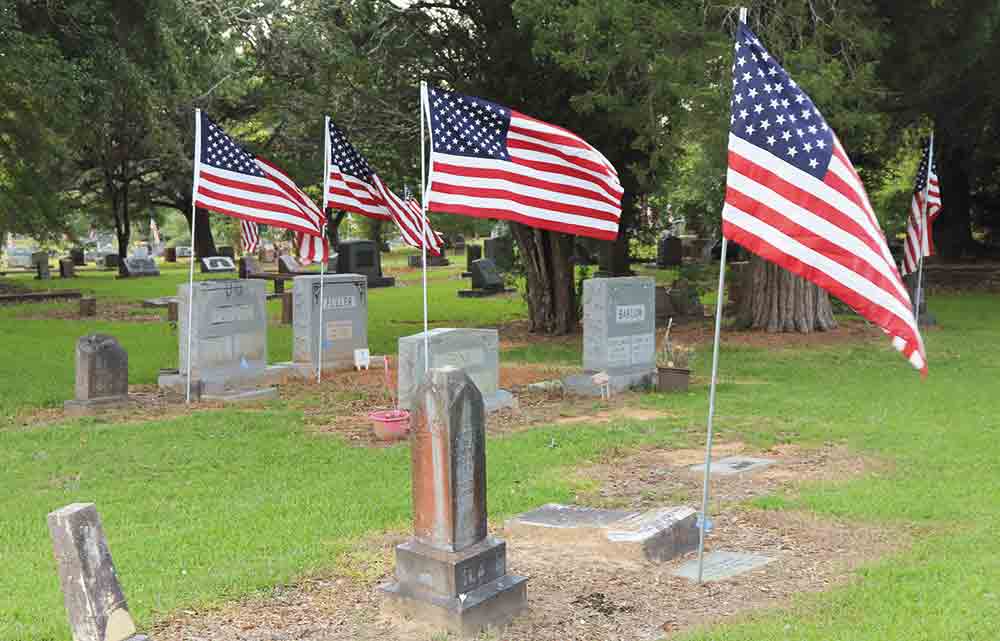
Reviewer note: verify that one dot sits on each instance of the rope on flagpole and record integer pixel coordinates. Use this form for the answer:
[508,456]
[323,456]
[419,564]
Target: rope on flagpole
[423,212]
[924,223]
[194,213]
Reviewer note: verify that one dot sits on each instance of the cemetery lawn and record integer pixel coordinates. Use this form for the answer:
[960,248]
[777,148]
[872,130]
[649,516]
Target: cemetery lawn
[209,507]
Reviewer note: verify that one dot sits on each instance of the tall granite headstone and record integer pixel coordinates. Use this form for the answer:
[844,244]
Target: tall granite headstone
[452,573]
[95,603]
[619,325]
[41,262]
[500,250]
[474,350]
[101,374]
[472,253]
[67,268]
[669,252]
[344,322]
[362,257]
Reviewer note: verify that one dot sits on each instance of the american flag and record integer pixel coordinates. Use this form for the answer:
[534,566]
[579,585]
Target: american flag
[350,184]
[918,228]
[409,219]
[794,198]
[493,162]
[311,248]
[234,182]
[250,236]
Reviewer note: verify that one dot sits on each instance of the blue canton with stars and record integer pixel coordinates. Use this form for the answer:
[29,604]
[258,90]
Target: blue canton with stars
[772,113]
[918,188]
[346,157]
[221,151]
[467,126]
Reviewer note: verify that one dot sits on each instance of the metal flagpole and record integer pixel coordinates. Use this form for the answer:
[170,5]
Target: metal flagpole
[924,223]
[711,393]
[322,267]
[194,212]
[423,211]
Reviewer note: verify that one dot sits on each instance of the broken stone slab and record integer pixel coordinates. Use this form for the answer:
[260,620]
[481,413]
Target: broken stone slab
[93,597]
[734,465]
[722,565]
[654,535]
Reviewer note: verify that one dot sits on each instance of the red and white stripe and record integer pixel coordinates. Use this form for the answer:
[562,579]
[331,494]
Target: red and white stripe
[822,230]
[310,248]
[554,180]
[408,220]
[250,235]
[919,243]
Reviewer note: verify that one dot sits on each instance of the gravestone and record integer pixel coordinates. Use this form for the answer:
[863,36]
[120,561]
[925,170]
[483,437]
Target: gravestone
[452,573]
[472,253]
[722,565]
[78,256]
[344,320]
[362,257]
[669,252]
[486,280]
[217,265]
[88,306]
[655,535]
[67,268]
[172,308]
[734,465]
[226,251]
[432,260]
[228,341]
[474,350]
[183,251]
[170,254]
[95,604]
[500,250]
[249,266]
[41,262]
[142,251]
[458,242]
[289,265]
[101,374]
[619,319]
[138,267]
[111,261]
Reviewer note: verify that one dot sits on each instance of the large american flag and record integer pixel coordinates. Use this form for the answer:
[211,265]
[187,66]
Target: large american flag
[250,235]
[794,198]
[492,162]
[409,218]
[311,248]
[350,185]
[918,228]
[232,181]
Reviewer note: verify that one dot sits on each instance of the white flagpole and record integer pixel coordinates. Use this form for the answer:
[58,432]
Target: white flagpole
[194,213]
[423,211]
[322,268]
[924,223]
[711,393]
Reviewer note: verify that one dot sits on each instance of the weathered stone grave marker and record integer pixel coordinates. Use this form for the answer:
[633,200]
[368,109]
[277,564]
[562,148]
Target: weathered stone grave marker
[101,374]
[363,257]
[140,266]
[669,252]
[217,265]
[722,565]
[432,260]
[656,535]
[78,256]
[452,573]
[345,321]
[474,350]
[170,254]
[734,465]
[486,280]
[472,253]
[183,251]
[67,268]
[618,335]
[111,261]
[93,597]
[41,262]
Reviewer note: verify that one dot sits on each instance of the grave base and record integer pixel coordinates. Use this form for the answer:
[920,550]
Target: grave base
[308,370]
[255,389]
[483,293]
[82,408]
[242,396]
[655,535]
[463,592]
[583,385]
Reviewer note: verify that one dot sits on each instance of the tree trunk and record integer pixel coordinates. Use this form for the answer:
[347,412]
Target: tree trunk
[614,256]
[123,226]
[550,279]
[204,242]
[952,231]
[776,300]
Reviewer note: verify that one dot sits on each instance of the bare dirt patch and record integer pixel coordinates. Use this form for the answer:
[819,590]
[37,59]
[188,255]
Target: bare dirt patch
[107,310]
[574,596]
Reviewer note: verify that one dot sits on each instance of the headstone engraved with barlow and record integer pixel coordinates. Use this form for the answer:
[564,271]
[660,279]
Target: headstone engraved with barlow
[344,320]
[452,573]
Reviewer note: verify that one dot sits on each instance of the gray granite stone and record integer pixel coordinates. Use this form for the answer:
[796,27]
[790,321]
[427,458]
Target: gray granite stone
[500,250]
[722,565]
[67,268]
[183,251]
[217,265]
[363,257]
[734,465]
[101,374]
[345,319]
[93,598]
[472,253]
[140,266]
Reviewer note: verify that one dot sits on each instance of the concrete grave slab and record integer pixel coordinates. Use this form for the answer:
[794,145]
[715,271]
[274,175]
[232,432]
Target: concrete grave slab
[722,565]
[734,465]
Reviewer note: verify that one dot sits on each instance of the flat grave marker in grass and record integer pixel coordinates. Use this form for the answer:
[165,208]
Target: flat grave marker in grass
[734,465]
[722,565]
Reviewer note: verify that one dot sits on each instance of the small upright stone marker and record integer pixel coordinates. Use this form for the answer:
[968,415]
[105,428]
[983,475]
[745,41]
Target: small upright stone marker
[67,268]
[94,600]
[452,573]
[88,306]
[101,374]
[41,262]
[734,465]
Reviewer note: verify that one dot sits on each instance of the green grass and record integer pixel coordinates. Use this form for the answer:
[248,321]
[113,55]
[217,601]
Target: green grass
[209,507]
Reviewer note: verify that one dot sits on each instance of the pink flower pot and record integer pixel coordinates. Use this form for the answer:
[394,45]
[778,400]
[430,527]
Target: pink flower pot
[390,425]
